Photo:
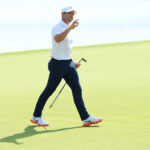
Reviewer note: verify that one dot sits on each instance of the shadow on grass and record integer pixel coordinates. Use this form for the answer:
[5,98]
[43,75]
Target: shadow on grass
[30,131]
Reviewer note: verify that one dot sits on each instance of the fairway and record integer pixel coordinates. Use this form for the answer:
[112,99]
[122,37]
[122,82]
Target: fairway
[116,86]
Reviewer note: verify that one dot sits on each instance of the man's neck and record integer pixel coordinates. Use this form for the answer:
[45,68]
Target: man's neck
[66,22]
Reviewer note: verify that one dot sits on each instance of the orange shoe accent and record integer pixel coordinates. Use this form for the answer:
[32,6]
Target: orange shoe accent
[89,123]
[34,122]
[42,125]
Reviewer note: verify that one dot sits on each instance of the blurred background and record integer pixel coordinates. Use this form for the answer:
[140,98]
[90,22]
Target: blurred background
[26,24]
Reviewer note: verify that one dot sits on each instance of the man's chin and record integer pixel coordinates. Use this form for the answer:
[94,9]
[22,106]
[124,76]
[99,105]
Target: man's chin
[70,20]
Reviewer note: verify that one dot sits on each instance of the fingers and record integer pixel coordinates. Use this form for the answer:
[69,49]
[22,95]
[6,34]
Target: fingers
[77,65]
[74,24]
[76,21]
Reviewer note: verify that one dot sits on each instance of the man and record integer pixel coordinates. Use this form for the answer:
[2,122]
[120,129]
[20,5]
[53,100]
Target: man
[61,67]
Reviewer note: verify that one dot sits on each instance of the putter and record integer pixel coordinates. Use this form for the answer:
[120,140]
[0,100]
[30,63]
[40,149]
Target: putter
[82,59]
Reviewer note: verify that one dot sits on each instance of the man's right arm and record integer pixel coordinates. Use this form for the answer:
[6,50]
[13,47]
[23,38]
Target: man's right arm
[60,37]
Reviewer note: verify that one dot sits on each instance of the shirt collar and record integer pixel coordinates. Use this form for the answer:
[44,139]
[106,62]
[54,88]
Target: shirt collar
[64,24]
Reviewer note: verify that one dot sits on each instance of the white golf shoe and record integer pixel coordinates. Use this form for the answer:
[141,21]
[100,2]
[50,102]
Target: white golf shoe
[91,120]
[39,121]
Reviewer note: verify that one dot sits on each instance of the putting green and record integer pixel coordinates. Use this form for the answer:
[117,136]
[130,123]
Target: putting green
[116,86]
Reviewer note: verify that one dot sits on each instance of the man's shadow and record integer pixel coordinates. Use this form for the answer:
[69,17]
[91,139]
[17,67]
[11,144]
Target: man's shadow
[30,131]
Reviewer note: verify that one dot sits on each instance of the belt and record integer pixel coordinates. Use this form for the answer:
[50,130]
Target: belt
[68,60]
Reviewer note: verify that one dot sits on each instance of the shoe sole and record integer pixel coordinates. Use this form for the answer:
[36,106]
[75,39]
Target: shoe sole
[90,123]
[34,122]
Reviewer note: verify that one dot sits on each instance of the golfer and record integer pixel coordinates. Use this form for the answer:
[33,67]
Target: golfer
[61,66]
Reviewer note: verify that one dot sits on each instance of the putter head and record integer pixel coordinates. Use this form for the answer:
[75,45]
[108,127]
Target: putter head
[84,60]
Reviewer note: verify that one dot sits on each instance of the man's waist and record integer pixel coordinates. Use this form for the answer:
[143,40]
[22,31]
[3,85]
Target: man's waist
[62,60]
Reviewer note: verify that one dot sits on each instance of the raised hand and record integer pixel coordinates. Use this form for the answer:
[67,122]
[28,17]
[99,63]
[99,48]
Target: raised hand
[74,24]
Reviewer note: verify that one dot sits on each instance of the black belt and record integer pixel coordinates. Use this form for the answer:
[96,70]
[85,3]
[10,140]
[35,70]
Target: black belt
[68,60]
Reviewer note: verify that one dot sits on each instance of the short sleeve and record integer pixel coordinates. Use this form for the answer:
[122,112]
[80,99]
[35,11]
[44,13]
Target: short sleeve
[56,30]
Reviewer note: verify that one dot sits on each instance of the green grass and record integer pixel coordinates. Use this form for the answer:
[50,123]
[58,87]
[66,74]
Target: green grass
[116,86]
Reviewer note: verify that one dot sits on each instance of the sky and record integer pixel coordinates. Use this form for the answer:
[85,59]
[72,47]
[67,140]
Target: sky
[26,24]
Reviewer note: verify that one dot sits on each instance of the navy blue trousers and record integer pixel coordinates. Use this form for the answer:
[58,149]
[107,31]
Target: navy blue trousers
[60,69]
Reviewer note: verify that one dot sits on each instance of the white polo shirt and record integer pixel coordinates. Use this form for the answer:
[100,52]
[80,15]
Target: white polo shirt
[61,50]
